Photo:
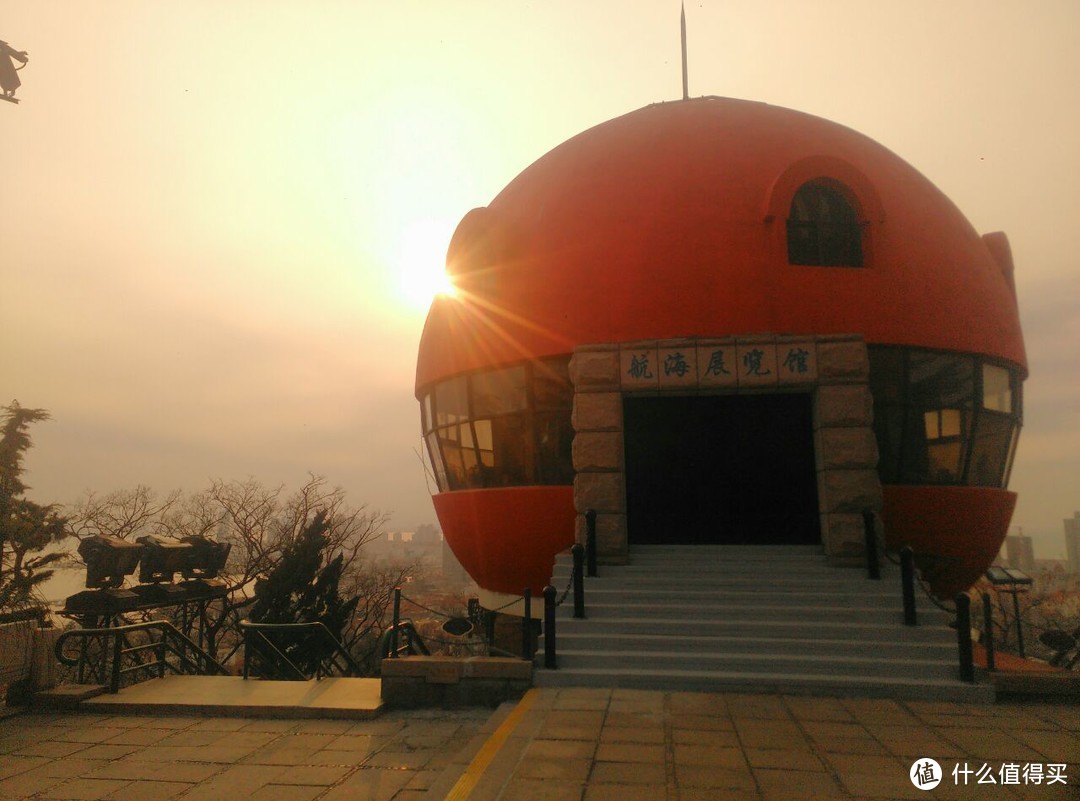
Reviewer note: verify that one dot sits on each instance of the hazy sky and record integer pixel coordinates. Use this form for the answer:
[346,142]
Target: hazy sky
[220,222]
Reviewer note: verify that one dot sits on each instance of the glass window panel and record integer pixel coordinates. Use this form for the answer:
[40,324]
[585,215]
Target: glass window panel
[939,380]
[943,462]
[513,464]
[886,374]
[990,450]
[950,422]
[483,435]
[930,457]
[932,423]
[473,475]
[943,423]
[889,430]
[466,436]
[425,413]
[436,460]
[997,388]
[451,452]
[554,436]
[551,385]
[823,228]
[451,401]
[1012,454]
[499,392]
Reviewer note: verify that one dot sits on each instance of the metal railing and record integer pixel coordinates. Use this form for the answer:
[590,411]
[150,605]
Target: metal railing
[402,638]
[124,655]
[923,569]
[272,651]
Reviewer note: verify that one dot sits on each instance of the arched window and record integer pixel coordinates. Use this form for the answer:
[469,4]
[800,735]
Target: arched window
[823,228]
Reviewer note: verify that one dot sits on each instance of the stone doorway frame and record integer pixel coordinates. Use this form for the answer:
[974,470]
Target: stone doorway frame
[833,369]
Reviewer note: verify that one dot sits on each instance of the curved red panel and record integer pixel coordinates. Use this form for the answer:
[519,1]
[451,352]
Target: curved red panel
[967,525]
[670,221]
[507,538]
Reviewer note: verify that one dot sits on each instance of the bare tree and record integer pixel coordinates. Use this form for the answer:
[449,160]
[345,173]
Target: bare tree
[126,513]
[260,522]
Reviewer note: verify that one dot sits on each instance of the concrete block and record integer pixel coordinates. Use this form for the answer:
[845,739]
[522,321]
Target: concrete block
[844,405]
[851,491]
[598,451]
[843,361]
[603,492]
[593,370]
[850,447]
[597,411]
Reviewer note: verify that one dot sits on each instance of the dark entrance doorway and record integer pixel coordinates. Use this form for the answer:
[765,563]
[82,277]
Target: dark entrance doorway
[722,469]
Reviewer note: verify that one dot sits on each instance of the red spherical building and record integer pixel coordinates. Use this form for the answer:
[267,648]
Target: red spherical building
[715,320]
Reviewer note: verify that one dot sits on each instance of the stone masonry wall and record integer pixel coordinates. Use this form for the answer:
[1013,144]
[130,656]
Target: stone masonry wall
[835,369]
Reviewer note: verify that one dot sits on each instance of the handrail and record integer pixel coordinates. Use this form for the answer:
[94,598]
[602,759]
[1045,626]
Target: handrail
[193,659]
[348,666]
[391,647]
[590,542]
[873,566]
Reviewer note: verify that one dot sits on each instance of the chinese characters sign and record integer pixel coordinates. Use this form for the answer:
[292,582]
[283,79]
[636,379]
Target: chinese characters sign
[718,365]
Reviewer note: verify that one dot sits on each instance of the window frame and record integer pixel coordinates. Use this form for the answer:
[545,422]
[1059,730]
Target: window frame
[536,465]
[852,234]
[895,458]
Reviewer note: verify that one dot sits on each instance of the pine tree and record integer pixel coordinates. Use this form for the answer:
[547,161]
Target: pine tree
[26,528]
[303,588]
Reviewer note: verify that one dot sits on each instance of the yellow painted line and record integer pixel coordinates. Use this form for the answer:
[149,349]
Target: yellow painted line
[464,787]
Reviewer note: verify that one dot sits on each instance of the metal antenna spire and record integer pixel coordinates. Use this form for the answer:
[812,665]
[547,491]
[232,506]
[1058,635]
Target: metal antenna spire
[682,24]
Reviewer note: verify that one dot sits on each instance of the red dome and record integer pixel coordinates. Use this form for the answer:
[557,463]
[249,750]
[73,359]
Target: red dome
[670,221]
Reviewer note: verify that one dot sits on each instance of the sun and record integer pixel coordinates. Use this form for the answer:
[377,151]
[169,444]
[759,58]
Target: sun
[420,262]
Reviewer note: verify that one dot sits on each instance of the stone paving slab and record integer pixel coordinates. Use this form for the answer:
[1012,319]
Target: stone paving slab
[336,697]
[79,755]
[555,744]
[595,744]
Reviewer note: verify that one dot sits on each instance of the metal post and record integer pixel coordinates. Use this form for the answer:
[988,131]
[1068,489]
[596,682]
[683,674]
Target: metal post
[988,631]
[579,580]
[247,650]
[907,580]
[1019,627]
[526,626]
[590,542]
[870,532]
[550,661]
[114,684]
[397,620]
[963,637]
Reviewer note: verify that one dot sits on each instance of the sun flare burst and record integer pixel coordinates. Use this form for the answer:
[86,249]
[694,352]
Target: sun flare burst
[420,262]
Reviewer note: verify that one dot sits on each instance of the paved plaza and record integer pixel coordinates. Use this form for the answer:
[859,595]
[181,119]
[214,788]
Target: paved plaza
[558,744]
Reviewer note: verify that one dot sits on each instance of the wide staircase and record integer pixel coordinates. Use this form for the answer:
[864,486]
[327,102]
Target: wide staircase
[752,619]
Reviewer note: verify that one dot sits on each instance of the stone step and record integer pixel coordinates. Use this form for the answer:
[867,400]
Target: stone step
[600,593]
[773,682]
[619,609]
[839,663]
[752,619]
[778,629]
[721,644]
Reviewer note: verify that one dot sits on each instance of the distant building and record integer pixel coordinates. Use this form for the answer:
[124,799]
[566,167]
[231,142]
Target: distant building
[1020,553]
[1072,543]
